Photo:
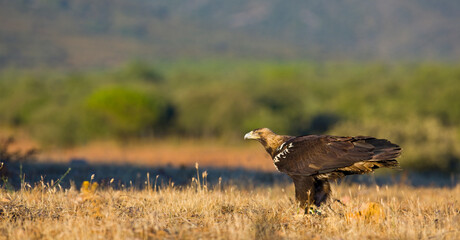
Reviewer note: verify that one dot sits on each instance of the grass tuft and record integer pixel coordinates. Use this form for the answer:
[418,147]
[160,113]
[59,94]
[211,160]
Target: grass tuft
[228,212]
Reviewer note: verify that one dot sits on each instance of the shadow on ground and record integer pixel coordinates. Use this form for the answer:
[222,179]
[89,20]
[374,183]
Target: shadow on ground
[136,176]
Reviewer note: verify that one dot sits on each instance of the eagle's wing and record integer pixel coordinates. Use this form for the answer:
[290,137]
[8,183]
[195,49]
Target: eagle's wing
[322,154]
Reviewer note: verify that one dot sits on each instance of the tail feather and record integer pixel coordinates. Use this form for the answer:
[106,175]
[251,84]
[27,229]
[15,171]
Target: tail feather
[379,153]
[382,149]
[392,163]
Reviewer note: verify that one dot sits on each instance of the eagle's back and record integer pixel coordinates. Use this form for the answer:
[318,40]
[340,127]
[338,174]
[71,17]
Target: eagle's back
[334,156]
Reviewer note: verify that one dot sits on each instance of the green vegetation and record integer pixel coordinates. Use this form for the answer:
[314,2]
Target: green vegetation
[415,105]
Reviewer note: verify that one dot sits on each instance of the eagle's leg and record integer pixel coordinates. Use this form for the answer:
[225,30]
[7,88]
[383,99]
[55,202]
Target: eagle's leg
[318,195]
[311,192]
[304,191]
[322,191]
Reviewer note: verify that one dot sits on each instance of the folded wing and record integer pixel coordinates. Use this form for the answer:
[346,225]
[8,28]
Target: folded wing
[331,156]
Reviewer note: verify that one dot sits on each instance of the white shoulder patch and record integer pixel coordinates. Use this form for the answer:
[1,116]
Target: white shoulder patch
[283,154]
[281,146]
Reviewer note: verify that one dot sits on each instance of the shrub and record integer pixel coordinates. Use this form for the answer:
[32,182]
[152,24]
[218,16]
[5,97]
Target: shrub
[123,112]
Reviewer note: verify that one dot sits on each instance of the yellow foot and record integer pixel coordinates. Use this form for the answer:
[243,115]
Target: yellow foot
[313,210]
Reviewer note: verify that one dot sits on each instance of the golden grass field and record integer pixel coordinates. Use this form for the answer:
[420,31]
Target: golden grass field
[198,211]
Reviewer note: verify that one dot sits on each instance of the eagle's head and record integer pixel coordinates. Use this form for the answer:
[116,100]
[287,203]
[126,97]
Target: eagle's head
[259,134]
[269,139]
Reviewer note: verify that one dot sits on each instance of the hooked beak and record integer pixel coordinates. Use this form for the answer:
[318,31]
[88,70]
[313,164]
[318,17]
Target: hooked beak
[251,135]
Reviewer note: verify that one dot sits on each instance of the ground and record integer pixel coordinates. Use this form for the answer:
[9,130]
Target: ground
[199,211]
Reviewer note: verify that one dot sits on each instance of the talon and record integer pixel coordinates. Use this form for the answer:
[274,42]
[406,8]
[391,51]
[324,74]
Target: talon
[313,211]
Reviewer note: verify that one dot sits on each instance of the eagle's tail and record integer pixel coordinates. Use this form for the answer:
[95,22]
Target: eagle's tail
[392,163]
[381,149]
[384,154]
[365,167]
[384,150]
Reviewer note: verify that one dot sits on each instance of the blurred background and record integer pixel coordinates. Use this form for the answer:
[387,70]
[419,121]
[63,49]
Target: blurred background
[170,83]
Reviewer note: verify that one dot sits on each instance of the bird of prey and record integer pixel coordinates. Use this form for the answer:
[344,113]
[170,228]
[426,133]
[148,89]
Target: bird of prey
[313,160]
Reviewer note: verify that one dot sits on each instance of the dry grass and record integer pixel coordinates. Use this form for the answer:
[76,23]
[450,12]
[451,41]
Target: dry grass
[227,212]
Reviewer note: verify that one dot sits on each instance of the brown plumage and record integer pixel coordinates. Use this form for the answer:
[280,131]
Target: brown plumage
[313,160]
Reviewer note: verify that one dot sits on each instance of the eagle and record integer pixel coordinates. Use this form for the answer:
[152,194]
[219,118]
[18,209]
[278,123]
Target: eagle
[312,161]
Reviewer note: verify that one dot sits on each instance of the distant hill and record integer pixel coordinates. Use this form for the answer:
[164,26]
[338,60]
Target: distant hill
[89,33]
